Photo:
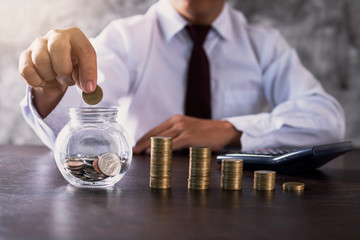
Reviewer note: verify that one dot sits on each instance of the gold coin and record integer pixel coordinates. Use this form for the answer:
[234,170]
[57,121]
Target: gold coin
[264,172]
[232,161]
[200,152]
[236,185]
[226,169]
[201,148]
[198,173]
[160,182]
[161,142]
[160,174]
[94,97]
[231,175]
[293,186]
[158,138]
[264,180]
[198,185]
[200,164]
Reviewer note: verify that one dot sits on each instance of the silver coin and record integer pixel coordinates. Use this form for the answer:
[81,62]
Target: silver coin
[92,177]
[124,165]
[93,173]
[81,155]
[77,173]
[89,158]
[72,159]
[109,164]
[89,162]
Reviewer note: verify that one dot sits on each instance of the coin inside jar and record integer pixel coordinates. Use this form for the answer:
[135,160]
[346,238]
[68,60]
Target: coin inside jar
[108,164]
[74,164]
[94,97]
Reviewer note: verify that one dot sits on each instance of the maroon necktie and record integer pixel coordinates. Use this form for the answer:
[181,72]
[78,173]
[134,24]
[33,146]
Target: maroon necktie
[198,92]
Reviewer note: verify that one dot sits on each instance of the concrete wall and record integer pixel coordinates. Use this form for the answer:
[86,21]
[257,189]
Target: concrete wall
[324,32]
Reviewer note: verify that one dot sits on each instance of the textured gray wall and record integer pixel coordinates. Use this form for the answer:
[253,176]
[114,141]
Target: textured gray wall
[324,32]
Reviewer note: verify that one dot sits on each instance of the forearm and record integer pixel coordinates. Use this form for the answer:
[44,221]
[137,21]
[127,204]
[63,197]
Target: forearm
[46,99]
[295,123]
[233,133]
[288,137]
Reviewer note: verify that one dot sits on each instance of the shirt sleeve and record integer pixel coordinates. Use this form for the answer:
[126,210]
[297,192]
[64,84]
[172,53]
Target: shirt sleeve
[47,128]
[302,112]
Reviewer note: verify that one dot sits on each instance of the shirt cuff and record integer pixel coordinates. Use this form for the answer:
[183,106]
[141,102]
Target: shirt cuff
[34,120]
[59,116]
[48,128]
[256,130]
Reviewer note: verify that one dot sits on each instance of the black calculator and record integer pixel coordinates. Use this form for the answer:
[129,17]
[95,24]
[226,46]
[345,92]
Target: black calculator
[287,160]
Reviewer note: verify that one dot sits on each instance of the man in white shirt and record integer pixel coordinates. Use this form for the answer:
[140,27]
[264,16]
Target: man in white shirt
[141,63]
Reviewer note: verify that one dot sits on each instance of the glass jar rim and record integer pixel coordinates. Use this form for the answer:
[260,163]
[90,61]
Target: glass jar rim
[93,113]
[93,110]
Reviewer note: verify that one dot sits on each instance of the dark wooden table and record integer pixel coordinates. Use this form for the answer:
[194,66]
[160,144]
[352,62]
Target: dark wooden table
[37,203]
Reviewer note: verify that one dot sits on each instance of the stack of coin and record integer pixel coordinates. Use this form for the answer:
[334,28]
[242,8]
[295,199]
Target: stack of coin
[160,162]
[293,186]
[199,168]
[231,174]
[75,166]
[264,180]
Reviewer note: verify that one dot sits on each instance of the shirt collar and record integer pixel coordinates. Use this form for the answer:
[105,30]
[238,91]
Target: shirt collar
[223,24]
[171,22]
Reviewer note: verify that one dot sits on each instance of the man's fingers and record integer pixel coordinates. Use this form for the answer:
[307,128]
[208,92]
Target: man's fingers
[187,131]
[28,70]
[86,57]
[69,50]
[141,147]
[65,80]
[165,129]
[41,59]
[155,131]
[146,144]
[59,49]
[180,142]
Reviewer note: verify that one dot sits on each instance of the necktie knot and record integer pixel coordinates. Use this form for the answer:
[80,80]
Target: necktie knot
[198,33]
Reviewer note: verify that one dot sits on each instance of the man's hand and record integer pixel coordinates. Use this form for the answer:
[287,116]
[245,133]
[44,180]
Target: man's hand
[189,132]
[55,61]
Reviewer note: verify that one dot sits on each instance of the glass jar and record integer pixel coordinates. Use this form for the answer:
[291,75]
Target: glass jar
[93,150]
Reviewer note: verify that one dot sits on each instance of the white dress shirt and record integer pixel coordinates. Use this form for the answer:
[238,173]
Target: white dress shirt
[143,61]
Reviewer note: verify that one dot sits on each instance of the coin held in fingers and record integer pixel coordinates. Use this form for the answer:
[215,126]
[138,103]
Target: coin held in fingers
[94,97]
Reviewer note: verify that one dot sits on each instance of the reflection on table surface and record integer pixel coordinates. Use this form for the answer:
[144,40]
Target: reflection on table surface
[37,203]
